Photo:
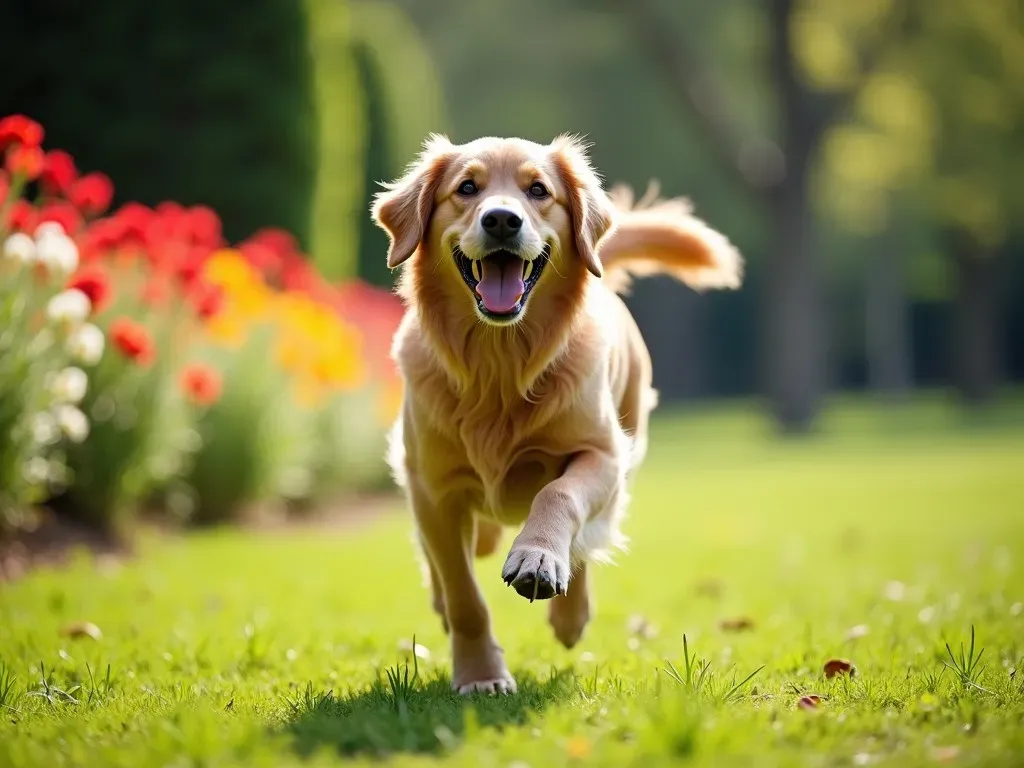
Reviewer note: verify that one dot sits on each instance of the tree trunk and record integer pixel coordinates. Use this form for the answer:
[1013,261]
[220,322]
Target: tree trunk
[793,344]
[976,326]
[887,326]
[793,349]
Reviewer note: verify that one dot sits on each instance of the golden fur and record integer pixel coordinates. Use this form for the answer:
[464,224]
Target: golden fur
[536,422]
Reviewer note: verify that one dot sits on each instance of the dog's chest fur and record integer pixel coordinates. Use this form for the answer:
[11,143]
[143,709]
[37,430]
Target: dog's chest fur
[489,441]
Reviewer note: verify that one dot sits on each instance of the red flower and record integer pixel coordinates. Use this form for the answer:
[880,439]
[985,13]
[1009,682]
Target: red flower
[22,217]
[25,161]
[207,299]
[5,187]
[133,340]
[59,172]
[64,214]
[93,281]
[92,194]
[201,384]
[205,226]
[262,257]
[18,129]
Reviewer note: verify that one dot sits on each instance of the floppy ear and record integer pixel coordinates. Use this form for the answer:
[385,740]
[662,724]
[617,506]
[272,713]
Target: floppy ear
[403,210]
[589,207]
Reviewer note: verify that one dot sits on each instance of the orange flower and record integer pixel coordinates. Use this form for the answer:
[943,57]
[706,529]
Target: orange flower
[58,173]
[25,161]
[92,194]
[132,340]
[201,384]
[18,129]
[93,281]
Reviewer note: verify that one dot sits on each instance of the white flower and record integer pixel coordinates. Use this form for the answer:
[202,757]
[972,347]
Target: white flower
[70,385]
[56,251]
[85,344]
[20,247]
[69,307]
[49,228]
[72,423]
[44,429]
[37,470]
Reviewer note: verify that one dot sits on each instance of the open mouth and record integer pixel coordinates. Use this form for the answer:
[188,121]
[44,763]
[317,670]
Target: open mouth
[502,281]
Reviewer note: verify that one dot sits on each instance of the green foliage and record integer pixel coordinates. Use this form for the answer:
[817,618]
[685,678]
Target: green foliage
[230,649]
[181,100]
[338,202]
[378,166]
[255,441]
[141,427]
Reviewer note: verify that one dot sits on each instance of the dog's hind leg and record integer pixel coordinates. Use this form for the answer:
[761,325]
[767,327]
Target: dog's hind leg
[570,613]
[488,536]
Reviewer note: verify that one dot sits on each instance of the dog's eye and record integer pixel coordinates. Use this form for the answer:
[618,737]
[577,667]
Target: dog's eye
[468,187]
[538,190]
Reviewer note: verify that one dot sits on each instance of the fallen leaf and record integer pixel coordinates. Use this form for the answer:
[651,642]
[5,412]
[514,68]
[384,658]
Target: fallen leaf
[835,667]
[739,624]
[79,629]
[857,632]
[809,702]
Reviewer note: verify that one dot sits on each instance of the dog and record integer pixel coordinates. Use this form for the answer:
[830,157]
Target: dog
[527,384]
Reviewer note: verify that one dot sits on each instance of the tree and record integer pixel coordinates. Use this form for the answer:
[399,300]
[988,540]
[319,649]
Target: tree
[776,171]
[970,57]
[199,102]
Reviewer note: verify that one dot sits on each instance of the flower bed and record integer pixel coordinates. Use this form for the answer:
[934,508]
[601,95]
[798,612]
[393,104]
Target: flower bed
[145,361]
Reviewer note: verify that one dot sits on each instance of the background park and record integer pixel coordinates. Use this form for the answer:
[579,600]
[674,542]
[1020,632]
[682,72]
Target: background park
[202,558]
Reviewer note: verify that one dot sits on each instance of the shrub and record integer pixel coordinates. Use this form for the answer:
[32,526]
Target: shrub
[231,376]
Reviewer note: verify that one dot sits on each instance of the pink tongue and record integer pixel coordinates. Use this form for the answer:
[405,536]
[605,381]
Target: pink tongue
[501,284]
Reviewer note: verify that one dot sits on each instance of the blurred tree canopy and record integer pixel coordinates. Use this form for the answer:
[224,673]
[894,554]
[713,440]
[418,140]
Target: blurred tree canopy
[187,100]
[864,156]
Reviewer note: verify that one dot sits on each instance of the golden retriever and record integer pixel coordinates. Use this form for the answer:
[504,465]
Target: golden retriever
[527,382]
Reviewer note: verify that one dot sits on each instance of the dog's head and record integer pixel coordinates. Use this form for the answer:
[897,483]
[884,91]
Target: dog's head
[501,217]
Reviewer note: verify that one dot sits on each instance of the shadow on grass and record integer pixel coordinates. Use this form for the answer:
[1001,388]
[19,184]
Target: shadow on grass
[411,715]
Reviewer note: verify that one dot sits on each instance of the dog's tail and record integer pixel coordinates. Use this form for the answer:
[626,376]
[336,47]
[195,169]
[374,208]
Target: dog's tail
[662,236]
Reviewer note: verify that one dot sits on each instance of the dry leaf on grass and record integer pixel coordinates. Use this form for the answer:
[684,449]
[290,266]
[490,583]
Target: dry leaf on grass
[809,702]
[834,667]
[79,629]
[739,624]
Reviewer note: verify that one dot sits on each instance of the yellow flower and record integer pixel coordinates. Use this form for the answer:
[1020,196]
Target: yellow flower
[227,329]
[229,269]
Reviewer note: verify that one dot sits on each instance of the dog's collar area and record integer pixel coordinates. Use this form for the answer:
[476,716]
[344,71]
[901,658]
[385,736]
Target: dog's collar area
[472,272]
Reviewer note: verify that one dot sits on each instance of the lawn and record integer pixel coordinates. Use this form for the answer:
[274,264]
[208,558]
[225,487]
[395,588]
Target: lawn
[877,542]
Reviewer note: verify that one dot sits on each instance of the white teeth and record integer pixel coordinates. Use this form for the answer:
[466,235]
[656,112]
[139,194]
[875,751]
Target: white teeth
[475,266]
[527,270]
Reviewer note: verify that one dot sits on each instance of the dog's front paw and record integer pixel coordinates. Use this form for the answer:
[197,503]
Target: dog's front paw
[535,572]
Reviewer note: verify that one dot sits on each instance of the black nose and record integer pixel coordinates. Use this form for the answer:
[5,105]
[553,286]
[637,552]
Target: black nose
[501,223]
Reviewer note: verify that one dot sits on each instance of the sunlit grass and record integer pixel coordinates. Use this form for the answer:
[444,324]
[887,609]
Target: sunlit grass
[891,541]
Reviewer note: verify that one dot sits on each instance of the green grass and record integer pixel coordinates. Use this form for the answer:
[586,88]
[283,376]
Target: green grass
[880,541]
